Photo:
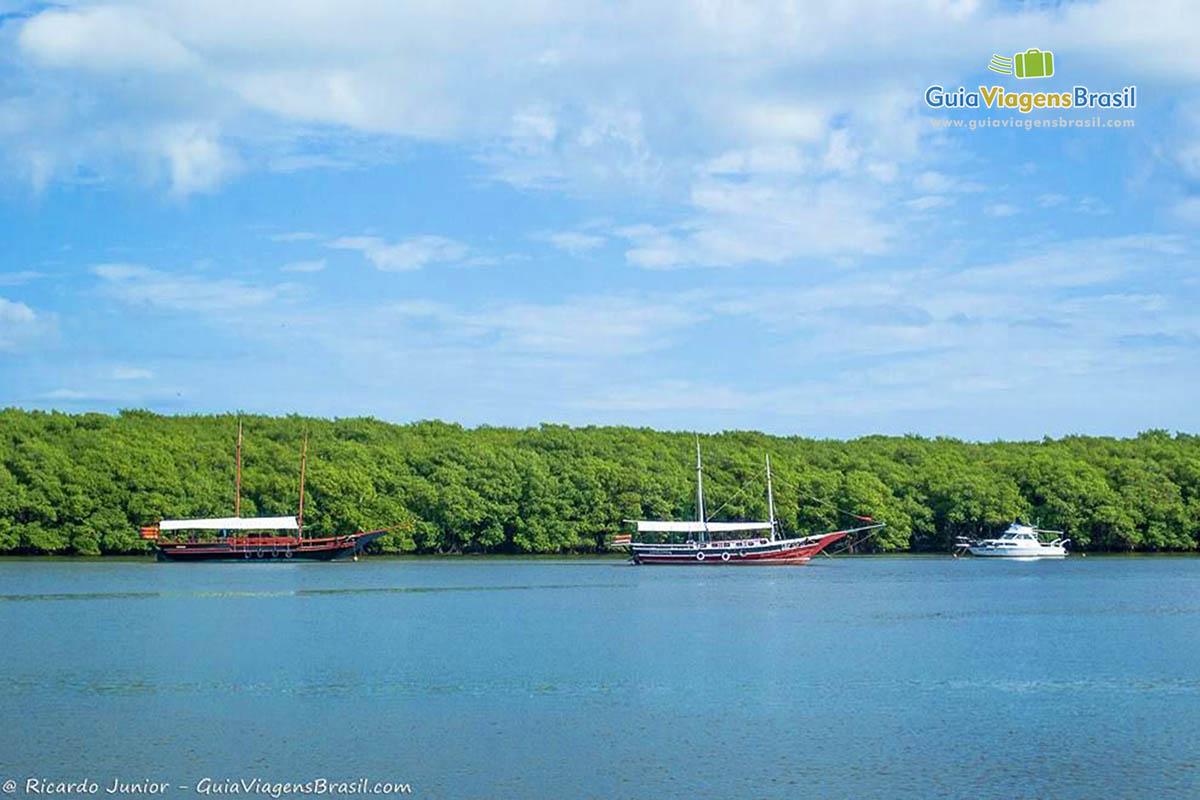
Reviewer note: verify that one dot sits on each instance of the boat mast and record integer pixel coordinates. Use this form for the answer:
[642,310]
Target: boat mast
[700,493]
[303,459]
[237,498]
[770,498]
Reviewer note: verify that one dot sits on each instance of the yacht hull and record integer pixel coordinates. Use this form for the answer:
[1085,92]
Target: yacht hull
[1018,553]
[1021,541]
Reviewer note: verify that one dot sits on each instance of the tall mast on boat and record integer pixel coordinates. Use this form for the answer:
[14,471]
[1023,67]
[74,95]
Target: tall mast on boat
[303,459]
[700,492]
[770,498]
[237,498]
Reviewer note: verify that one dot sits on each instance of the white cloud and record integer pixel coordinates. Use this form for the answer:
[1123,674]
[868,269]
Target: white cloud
[21,326]
[102,39]
[652,100]
[770,159]
[672,395]
[1074,264]
[1001,210]
[1187,209]
[932,182]
[293,236]
[315,265]
[864,348]
[764,220]
[728,134]
[20,278]
[1049,321]
[587,327]
[15,313]
[574,242]
[1091,205]
[782,122]
[866,344]
[196,159]
[571,94]
[600,146]
[139,285]
[929,202]
[69,394]
[131,374]
[407,254]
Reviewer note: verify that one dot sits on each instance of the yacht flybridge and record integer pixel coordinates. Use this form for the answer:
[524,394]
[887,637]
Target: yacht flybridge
[1019,541]
[752,543]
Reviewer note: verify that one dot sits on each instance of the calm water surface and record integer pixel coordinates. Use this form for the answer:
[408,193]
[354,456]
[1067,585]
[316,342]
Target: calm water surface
[896,677]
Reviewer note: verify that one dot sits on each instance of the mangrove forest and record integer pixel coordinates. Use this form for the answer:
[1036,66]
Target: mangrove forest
[82,484]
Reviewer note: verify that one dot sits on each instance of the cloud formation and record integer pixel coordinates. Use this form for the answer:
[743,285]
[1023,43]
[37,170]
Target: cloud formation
[407,254]
[784,137]
[139,285]
[881,265]
[21,326]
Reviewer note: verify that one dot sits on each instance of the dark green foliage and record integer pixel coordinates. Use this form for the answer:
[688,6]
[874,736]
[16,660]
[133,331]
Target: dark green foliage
[83,484]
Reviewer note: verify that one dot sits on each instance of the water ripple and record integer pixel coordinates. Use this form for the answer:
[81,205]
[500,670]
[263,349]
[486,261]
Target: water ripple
[80,596]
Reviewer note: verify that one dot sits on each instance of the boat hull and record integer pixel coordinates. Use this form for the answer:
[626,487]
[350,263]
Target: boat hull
[263,550]
[1024,553]
[732,554]
[1020,541]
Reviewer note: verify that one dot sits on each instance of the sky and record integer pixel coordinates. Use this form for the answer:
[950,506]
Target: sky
[688,215]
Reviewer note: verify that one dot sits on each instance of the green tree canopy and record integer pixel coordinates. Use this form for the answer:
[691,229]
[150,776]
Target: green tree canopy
[84,483]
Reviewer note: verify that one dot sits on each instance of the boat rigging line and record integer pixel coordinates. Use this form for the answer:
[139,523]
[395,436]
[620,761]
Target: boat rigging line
[822,501]
[850,542]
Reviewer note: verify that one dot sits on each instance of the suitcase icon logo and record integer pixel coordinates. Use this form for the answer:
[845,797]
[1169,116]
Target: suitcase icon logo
[1033,63]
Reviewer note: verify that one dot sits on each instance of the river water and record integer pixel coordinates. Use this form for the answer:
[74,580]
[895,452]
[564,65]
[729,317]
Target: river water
[854,677]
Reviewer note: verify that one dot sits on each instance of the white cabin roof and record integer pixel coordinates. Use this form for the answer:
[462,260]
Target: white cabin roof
[230,524]
[652,526]
[1019,530]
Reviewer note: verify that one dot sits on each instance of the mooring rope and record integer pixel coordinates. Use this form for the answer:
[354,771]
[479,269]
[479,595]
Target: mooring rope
[851,542]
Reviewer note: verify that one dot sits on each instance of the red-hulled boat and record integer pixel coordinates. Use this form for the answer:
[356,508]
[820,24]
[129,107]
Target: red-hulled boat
[252,539]
[743,552]
[702,548]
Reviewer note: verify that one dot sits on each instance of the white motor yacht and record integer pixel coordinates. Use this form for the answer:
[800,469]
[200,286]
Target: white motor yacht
[1019,541]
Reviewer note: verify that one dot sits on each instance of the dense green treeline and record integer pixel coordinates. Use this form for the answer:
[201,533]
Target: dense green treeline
[84,483]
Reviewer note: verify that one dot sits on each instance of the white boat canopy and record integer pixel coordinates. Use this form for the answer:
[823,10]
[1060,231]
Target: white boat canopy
[230,524]
[651,526]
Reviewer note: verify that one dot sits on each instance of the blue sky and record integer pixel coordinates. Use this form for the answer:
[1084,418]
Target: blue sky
[688,216]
